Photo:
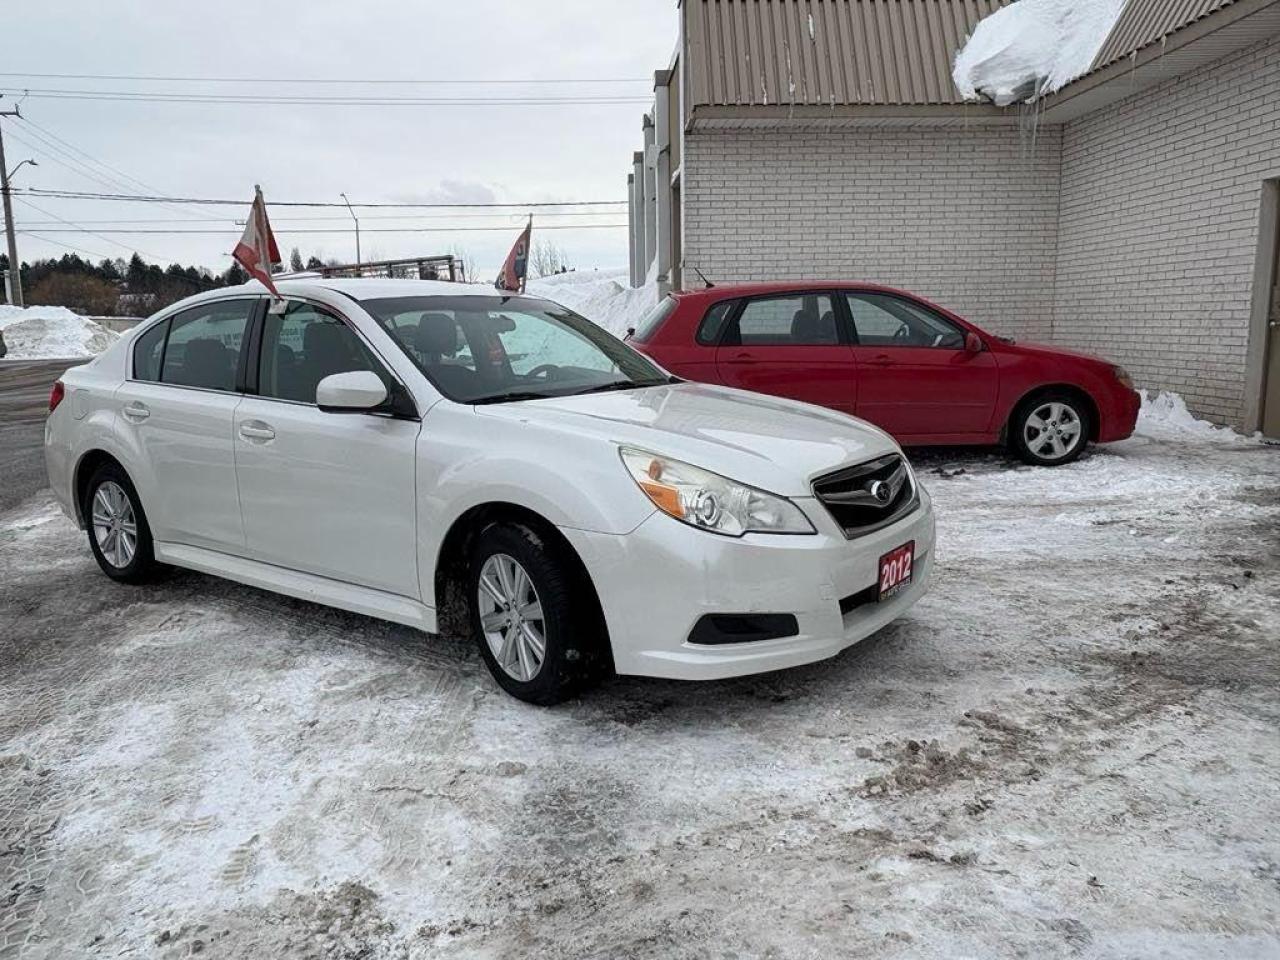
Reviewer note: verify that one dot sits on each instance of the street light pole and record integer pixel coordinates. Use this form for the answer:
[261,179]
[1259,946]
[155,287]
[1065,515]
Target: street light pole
[357,220]
[15,265]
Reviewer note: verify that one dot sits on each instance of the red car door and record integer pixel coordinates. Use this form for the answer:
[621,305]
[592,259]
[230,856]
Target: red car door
[790,345]
[916,377]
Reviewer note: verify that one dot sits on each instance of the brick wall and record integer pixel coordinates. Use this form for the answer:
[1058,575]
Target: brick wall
[966,218]
[1158,227]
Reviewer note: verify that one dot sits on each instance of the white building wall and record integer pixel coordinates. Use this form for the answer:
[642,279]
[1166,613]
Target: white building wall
[1159,227]
[964,217]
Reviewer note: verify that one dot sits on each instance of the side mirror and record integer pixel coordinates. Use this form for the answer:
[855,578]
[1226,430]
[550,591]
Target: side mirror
[973,343]
[354,392]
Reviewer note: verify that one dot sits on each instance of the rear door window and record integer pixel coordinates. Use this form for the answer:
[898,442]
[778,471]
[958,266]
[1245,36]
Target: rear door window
[801,320]
[203,348]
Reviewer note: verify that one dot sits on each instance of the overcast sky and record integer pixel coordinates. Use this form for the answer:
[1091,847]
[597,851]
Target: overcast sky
[399,153]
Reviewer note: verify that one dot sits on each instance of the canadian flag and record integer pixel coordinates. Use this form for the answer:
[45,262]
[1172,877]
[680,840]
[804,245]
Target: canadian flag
[257,251]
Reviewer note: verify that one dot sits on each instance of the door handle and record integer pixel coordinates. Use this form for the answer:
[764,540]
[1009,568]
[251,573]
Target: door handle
[135,411]
[256,430]
[881,361]
[742,358]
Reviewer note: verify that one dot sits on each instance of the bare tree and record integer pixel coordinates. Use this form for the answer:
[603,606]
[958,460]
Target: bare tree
[467,259]
[546,259]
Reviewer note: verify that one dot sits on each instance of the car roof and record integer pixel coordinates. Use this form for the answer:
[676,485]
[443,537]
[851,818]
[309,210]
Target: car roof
[368,288]
[358,288]
[758,287]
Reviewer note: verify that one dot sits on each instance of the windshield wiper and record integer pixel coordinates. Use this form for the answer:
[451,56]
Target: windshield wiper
[622,385]
[513,396]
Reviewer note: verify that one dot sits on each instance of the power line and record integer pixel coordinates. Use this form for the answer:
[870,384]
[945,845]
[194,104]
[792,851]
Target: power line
[236,231]
[515,218]
[318,80]
[139,198]
[52,138]
[38,93]
[59,243]
[81,229]
[67,162]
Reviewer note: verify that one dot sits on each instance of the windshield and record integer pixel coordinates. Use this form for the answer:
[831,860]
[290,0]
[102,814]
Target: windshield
[495,349]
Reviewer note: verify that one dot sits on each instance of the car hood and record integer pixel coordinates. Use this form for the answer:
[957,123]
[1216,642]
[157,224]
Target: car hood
[1045,350]
[774,444]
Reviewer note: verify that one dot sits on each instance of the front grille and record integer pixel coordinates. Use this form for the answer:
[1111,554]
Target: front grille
[850,495]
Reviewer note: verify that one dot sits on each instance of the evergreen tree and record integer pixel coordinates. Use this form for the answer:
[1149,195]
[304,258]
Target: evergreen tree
[295,260]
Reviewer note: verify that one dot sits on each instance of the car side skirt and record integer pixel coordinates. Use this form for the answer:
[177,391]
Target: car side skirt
[304,586]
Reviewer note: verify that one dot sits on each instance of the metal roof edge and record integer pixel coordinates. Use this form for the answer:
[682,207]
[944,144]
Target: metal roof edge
[809,112]
[1058,107]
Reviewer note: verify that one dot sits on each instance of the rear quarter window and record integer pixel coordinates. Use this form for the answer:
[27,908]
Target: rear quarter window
[711,329]
[655,318]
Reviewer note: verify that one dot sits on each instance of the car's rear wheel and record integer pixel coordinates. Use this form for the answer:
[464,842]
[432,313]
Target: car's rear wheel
[118,532]
[1051,429]
[535,622]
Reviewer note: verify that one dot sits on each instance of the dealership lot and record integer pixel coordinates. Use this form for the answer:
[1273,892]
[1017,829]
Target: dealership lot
[1068,748]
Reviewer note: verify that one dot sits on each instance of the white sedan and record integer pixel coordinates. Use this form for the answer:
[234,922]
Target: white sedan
[391,446]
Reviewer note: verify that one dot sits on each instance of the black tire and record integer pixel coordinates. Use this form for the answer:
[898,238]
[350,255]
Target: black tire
[1071,414]
[575,641]
[142,566]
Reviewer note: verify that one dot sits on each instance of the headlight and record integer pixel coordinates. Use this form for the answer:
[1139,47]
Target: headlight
[1123,376]
[707,500]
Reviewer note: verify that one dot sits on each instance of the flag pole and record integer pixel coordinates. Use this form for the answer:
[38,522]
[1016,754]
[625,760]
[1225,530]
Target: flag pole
[528,255]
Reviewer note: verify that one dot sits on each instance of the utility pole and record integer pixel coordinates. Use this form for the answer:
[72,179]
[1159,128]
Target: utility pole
[15,265]
[357,220]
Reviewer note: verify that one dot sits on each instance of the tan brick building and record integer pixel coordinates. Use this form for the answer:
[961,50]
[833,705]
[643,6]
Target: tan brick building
[1133,213]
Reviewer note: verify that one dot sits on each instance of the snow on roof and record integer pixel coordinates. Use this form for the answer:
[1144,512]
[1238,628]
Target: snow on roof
[1033,47]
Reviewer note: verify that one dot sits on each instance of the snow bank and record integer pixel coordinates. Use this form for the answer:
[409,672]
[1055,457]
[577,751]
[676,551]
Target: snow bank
[602,296]
[1166,417]
[39,332]
[1033,47]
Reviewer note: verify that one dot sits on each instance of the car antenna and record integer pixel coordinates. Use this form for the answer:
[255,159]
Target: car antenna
[703,277]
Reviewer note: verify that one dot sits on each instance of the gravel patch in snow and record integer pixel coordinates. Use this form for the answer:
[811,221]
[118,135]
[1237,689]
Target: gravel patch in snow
[1067,749]
[34,333]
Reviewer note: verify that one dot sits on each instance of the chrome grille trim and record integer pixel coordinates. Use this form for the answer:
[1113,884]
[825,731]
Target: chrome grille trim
[847,495]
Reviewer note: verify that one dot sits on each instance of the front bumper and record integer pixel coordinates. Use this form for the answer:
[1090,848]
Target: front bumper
[657,581]
[1119,422]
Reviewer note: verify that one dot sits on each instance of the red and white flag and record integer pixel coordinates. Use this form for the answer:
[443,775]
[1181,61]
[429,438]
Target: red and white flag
[257,251]
[516,267]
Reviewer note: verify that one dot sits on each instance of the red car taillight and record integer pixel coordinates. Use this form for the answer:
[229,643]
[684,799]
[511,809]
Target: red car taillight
[56,395]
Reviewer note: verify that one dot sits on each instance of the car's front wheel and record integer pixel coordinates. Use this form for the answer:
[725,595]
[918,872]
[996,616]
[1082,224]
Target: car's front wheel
[536,623]
[118,532]
[1051,429]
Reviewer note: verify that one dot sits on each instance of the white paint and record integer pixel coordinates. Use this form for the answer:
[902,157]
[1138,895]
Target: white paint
[365,502]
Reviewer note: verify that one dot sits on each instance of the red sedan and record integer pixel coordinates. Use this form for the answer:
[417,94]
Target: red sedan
[905,364]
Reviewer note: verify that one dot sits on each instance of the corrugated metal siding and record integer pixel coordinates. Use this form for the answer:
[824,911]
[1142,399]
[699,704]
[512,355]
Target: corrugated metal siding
[826,52]
[1145,22]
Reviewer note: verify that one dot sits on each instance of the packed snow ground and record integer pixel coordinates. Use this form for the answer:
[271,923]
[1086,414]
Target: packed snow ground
[1033,47]
[1070,748]
[34,333]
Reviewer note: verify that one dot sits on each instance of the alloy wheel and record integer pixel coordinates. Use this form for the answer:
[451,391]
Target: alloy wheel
[511,617]
[114,526]
[1053,430]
